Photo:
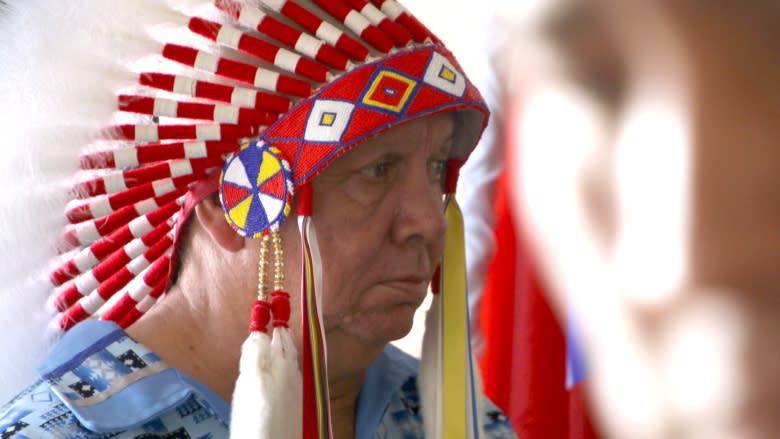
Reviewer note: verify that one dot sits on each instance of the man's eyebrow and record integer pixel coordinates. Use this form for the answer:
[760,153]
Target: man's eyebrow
[448,141]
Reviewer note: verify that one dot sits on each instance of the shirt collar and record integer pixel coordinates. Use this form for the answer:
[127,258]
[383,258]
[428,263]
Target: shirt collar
[97,370]
[384,377]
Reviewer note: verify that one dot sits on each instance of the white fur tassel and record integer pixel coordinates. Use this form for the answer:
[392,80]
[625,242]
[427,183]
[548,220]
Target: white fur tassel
[252,411]
[287,386]
[268,389]
[431,371]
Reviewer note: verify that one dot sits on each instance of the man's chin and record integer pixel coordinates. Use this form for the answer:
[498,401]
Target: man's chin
[385,326]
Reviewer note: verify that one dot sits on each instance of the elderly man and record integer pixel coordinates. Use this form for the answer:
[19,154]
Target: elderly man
[348,117]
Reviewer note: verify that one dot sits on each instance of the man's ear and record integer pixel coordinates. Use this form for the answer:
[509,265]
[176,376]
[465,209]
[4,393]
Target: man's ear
[212,218]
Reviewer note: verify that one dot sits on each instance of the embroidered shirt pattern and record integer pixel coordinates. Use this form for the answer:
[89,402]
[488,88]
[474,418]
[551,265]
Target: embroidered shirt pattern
[403,419]
[102,383]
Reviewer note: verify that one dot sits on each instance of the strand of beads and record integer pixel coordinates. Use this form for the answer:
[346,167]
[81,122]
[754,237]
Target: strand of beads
[280,299]
[261,308]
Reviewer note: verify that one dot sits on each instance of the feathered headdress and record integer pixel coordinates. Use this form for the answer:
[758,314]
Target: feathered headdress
[122,115]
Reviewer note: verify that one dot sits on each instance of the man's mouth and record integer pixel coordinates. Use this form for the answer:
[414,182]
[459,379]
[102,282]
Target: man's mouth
[415,286]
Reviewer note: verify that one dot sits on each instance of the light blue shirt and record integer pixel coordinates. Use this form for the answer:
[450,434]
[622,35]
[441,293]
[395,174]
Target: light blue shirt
[99,383]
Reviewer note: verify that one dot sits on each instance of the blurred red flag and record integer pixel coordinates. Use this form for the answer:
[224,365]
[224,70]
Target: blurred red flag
[524,364]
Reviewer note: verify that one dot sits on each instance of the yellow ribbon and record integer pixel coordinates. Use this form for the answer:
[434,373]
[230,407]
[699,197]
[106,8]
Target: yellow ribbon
[455,358]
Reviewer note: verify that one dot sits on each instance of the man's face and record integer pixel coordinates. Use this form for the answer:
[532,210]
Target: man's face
[653,200]
[380,227]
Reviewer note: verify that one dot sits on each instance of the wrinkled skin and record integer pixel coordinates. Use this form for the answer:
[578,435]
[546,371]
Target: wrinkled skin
[379,218]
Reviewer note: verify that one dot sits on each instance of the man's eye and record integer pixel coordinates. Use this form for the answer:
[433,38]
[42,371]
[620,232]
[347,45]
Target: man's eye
[438,169]
[378,170]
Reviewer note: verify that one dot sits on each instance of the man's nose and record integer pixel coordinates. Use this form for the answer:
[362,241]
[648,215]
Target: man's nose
[418,213]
